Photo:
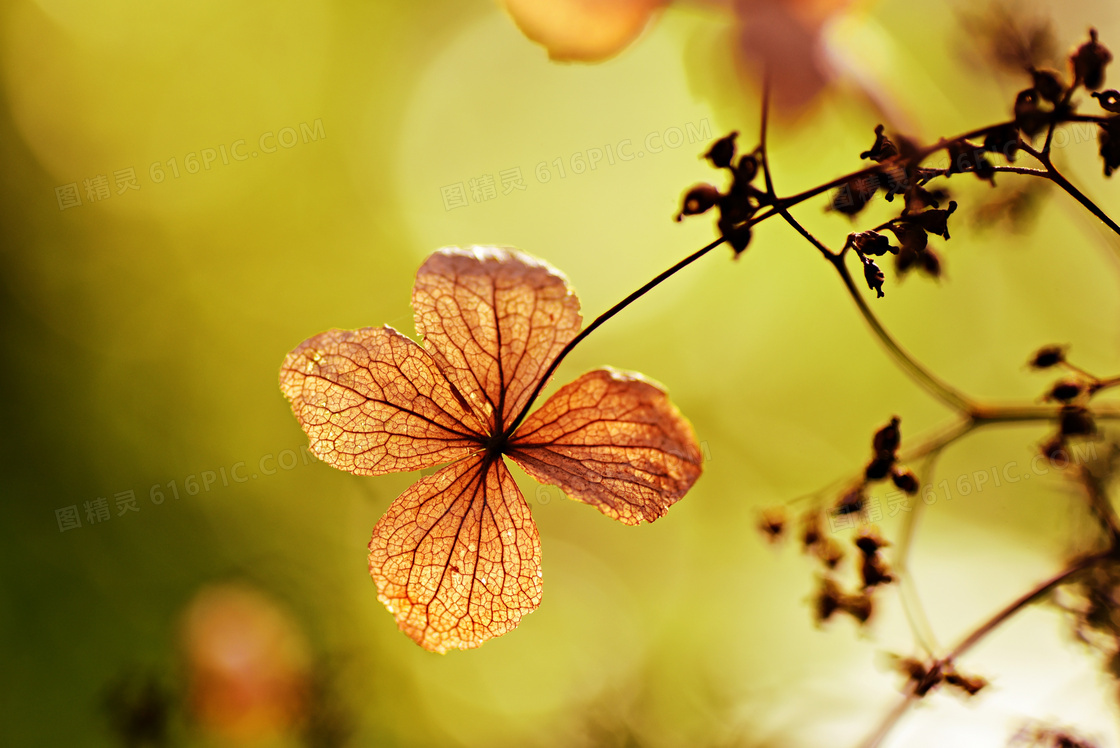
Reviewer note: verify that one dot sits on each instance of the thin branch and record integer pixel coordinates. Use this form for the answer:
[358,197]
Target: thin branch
[1033,595]
[1043,157]
[939,389]
[599,322]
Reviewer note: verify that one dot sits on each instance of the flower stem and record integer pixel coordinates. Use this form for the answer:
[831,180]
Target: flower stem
[1033,595]
[939,389]
[598,322]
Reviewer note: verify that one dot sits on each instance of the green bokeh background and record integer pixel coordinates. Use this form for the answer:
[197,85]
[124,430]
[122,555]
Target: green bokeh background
[142,336]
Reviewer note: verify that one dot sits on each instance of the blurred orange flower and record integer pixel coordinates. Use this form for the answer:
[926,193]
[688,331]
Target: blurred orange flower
[784,36]
[247,662]
[582,30]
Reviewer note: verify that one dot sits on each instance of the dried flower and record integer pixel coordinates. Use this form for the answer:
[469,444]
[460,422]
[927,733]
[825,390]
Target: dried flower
[882,149]
[456,557]
[934,221]
[873,275]
[871,243]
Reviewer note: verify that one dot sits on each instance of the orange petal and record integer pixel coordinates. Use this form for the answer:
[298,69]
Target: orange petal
[493,319]
[613,440]
[457,558]
[582,30]
[374,402]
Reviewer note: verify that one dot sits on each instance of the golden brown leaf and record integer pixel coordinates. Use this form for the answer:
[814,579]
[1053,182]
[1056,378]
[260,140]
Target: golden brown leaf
[613,440]
[374,402]
[493,319]
[457,558]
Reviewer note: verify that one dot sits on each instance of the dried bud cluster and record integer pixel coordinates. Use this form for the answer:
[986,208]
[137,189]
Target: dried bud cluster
[831,599]
[884,461]
[1074,393]
[738,205]
[874,569]
[900,173]
[926,677]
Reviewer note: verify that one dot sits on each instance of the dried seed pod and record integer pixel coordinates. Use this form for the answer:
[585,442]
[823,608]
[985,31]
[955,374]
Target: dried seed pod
[737,236]
[874,571]
[930,263]
[1109,100]
[811,533]
[1088,62]
[1028,117]
[970,684]
[722,151]
[859,607]
[874,276]
[869,541]
[829,552]
[1047,356]
[850,503]
[854,195]
[1064,391]
[879,467]
[699,199]
[1055,449]
[1004,140]
[828,599]
[1076,421]
[747,170]
[905,481]
[887,439]
[1109,139]
[1049,84]
[910,235]
[772,523]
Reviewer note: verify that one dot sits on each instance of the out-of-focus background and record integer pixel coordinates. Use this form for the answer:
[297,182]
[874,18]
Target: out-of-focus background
[190,189]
